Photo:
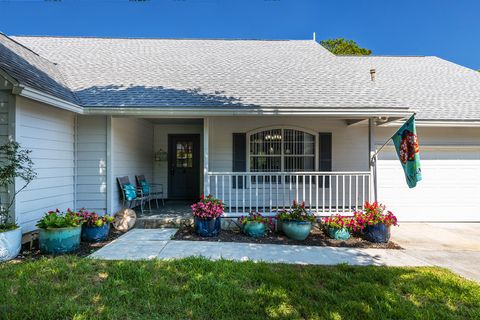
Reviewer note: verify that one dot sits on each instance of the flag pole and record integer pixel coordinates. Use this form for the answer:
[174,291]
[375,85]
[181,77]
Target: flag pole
[386,142]
[380,149]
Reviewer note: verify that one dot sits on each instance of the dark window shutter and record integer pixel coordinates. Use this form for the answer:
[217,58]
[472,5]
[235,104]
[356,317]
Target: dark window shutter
[239,157]
[325,155]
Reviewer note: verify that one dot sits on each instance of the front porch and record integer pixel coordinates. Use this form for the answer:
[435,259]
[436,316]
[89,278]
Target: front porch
[251,163]
[322,162]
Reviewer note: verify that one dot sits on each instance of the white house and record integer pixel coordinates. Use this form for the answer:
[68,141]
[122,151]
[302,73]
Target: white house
[256,123]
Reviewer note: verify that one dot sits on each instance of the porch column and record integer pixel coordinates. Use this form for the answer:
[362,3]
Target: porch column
[206,177]
[372,158]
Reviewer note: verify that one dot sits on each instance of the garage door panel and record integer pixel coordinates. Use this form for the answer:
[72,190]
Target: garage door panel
[449,191]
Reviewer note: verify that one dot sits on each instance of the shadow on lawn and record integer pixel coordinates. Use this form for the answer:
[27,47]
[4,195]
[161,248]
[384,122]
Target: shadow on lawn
[200,289]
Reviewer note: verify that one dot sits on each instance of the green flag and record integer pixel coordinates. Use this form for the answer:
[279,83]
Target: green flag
[406,144]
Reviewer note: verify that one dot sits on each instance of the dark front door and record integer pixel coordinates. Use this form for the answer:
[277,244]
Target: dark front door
[184,166]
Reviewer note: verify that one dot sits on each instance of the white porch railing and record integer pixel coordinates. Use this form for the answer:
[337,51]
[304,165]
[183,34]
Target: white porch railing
[269,192]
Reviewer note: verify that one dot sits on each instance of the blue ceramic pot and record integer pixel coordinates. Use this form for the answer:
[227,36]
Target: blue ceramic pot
[338,233]
[379,233]
[296,230]
[254,229]
[207,227]
[59,240]
[95,234]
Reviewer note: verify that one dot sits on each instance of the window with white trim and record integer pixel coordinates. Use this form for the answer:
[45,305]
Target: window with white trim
[282,150]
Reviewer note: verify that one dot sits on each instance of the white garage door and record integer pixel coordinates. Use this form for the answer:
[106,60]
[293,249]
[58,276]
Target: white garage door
[449,191]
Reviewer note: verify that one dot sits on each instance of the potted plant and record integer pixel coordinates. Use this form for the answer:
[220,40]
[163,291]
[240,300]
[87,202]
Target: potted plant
[338,227]
[207,216]
[296,222]
[14,163]
[95,228]
[253,225]
[375,222]
[59,232]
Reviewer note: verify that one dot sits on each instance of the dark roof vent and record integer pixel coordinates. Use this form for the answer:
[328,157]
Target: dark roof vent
[373,73]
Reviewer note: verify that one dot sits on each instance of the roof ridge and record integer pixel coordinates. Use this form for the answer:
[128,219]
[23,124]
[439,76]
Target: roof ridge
[383,56]
[154,38]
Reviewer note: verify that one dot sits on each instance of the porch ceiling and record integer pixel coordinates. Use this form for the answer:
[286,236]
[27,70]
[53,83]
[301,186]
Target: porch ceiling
[175,121]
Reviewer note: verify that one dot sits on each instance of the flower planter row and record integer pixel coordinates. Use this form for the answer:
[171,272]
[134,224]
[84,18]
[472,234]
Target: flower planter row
[52,240]
[61,232]
[295,230]
[373,222]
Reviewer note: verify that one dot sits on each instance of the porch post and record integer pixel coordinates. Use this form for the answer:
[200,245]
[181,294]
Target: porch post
[372,158]
[206,177]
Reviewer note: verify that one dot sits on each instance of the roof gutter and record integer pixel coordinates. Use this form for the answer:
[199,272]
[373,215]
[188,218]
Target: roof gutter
[439,123]
[40,96]
[225,111]
[37,95]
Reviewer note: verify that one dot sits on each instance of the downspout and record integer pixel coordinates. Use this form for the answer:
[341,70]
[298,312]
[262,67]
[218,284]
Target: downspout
[206,151]
[372,159]
[75,162]
[372,156]
[109,166]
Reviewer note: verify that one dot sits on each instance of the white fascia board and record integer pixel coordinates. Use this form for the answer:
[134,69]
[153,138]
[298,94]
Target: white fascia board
[438,123]
[40,96]
[220,111]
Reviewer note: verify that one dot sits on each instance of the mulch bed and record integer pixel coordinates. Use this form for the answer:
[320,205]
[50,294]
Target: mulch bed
[86,248]
[316,238]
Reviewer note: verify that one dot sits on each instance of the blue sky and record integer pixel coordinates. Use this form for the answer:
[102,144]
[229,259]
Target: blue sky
[446,28]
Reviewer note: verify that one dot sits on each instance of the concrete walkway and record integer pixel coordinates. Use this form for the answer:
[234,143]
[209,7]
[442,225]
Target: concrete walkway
[455,246]
[156,244]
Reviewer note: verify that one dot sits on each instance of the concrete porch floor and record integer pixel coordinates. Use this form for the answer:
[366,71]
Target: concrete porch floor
[171,215]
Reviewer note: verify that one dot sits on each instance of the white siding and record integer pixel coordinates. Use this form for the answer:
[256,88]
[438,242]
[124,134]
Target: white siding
[49,133]
[132,143]
[91,161]
[349,144]
[161,132]
[449,191]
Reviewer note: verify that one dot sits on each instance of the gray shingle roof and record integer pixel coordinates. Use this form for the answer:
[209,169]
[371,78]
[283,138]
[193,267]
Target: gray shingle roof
[116,72]
[30,69]
[436,88]
[165,72]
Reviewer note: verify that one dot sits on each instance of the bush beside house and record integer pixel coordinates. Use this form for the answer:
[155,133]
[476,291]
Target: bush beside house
[15,163]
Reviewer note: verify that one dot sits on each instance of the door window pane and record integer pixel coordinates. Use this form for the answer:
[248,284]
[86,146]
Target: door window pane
[184,154]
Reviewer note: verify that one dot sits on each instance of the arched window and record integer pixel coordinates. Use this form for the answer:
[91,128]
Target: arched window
[282,149]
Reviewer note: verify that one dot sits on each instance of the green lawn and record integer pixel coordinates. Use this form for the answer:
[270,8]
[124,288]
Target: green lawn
[68,287]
